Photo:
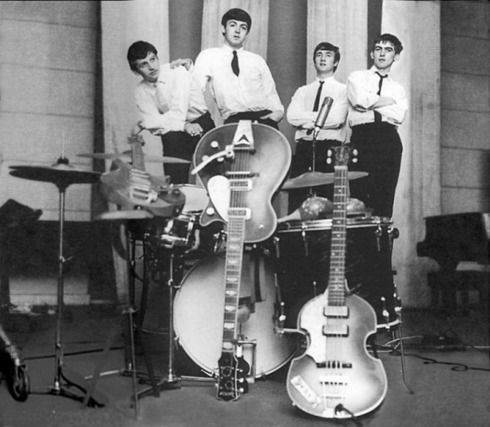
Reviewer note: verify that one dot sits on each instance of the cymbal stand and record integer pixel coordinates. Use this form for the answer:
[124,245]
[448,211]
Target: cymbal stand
[171,381]
[311,192]
[61,383]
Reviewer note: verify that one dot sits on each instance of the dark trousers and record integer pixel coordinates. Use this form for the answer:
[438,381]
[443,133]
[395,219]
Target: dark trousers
[303,162]
[183,145]
[380,152]
[255,116]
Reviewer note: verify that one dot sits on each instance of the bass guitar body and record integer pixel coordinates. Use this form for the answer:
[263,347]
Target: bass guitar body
[336,377]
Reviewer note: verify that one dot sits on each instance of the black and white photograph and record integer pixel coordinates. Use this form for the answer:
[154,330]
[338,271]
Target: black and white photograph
[268,213]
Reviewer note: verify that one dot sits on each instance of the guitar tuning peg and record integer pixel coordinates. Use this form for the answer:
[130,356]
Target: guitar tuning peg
[214,144]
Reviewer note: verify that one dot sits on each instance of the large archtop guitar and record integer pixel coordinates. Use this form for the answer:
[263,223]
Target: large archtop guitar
[336,377]
[241,166]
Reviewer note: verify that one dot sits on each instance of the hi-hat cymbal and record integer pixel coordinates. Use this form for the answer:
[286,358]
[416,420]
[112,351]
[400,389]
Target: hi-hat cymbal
[126,156]
[61,173]
[313,179]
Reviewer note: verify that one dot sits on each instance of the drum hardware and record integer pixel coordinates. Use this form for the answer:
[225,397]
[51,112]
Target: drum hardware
[171,380]
[63,174]
[378,233]
[132,227]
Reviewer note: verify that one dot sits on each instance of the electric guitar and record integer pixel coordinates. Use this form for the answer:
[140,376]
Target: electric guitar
[241,167]
[131,187]
[336,377]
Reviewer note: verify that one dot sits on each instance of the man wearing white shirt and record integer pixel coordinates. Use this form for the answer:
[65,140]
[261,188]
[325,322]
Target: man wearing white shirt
[378,105]
[171,104]
[240,81]
[302,113]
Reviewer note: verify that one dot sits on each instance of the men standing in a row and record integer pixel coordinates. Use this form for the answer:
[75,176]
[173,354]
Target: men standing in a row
[171,104]
[302,113]
[378,107]
[240,81]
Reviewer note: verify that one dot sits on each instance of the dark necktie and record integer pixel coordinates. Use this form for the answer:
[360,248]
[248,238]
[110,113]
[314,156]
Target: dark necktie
[234,64]
[377,116]
[318,95]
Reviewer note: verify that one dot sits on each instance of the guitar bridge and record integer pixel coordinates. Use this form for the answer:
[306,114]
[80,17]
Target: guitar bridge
[140,187]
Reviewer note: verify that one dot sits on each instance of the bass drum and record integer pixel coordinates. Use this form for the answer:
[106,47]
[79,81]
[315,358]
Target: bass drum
[199,310]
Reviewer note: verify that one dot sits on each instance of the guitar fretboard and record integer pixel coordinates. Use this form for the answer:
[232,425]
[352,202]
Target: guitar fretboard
[233,271]
[336,291]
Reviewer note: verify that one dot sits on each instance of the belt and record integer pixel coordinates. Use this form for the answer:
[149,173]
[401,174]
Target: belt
[321,141]
[374,124]
[249,115]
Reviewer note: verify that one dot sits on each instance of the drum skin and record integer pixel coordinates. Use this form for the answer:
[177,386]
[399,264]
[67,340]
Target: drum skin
[198,316]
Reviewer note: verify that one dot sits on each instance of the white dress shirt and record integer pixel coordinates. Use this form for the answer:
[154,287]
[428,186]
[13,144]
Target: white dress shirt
[253,90]
[362,88]
[167,104]
[300,111]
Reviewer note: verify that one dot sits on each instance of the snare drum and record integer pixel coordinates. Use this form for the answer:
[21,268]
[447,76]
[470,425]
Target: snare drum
[184,230]
[303,259]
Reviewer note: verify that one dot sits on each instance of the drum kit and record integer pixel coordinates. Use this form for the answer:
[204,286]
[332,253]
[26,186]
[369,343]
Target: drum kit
[278,275]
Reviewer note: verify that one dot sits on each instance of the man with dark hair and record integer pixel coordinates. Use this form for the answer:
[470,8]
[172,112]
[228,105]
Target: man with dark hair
[240,81]
[302,113]
[378,105]
[171,104]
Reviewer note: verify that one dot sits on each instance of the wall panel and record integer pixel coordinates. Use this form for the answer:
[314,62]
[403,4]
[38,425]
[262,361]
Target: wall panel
[47,83]
[456,132]
[465,168]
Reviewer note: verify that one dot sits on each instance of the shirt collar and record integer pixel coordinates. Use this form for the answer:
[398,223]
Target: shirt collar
[374,70]
[229,49]
[324,80]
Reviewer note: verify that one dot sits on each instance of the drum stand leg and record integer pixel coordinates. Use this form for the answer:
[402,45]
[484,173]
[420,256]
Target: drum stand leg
[65,381]
[171,381]
[128,313]
[397,336]
[400,334]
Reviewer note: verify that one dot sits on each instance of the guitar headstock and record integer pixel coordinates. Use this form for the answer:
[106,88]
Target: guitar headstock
[342,155]
[232,376]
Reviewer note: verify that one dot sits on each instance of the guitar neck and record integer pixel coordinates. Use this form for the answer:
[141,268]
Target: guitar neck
[336,281]
[233,272]
[137,155]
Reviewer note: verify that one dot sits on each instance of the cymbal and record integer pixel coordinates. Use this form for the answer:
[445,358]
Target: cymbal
[123,215]
[61,173]
[126,156]
[313,179]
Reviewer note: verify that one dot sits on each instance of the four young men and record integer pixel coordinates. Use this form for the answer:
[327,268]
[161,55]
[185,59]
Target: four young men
[172,104]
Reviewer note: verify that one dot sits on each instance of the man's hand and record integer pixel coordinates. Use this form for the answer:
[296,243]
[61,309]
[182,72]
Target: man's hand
[137,128]
[193,129]
[308,125]
[274,115]
[185,62]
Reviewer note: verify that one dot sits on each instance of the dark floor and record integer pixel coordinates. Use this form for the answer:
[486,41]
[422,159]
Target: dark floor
[450,378]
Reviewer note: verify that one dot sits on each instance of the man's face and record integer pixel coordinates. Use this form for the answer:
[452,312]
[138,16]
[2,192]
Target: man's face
[384,55]
[235,33]
[325,61]
[148,68]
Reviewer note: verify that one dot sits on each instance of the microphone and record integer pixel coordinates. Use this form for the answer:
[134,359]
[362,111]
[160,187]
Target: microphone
[322,116]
